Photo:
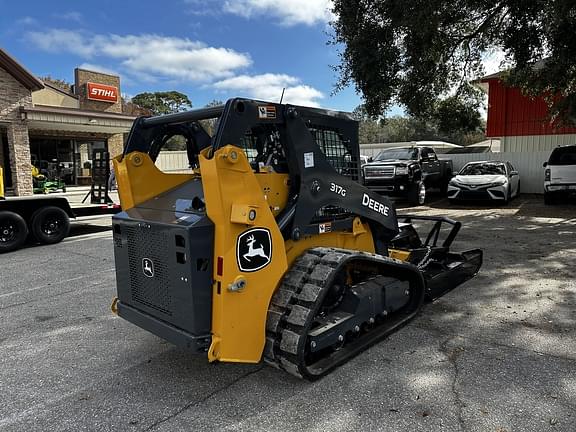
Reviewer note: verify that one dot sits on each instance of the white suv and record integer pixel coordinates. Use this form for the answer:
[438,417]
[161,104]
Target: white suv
[560,174]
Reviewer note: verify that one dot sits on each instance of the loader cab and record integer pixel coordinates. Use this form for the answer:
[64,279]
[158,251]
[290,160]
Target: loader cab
[287,147]
[260,130]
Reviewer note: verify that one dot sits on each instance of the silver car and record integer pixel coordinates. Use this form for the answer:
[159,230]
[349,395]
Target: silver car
[485,180]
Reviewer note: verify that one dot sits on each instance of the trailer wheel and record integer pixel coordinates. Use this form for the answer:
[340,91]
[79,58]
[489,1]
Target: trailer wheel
[13,231]
[50,225]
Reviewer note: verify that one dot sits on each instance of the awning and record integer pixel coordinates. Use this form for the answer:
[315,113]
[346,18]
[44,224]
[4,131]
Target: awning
[64,119]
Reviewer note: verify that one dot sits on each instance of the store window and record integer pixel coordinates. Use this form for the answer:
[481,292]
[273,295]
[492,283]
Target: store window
[53,158]
[83,160]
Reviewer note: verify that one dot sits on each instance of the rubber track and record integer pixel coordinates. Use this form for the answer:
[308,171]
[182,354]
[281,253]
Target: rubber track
[291,307]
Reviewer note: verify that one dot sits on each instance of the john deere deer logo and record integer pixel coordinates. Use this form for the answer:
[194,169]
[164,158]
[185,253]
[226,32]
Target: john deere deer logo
[148,267]
[253,249]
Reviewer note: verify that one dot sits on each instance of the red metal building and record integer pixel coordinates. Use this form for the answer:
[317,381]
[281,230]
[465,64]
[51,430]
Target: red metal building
[521,123]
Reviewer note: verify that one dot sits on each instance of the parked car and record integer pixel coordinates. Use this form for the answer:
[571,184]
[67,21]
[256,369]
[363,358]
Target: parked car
[560,174]
[485,180]
[408,172]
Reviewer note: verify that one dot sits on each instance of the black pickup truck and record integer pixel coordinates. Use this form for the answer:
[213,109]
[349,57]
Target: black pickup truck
[407,172]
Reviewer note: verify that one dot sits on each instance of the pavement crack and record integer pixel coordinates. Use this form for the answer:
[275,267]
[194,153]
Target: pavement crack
[204,399]
[452,354]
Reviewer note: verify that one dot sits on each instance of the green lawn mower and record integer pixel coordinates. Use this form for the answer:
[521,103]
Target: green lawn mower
[43,185]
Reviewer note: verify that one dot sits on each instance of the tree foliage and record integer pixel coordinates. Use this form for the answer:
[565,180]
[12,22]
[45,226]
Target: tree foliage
[411,52]
[210,125]
[178,142]
[453,119]
[458,115]
[130,108]
[159,103]
[61,84]
[163,102]
[408,128]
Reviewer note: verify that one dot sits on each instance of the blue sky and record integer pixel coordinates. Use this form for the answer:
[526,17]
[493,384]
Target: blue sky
[208,49]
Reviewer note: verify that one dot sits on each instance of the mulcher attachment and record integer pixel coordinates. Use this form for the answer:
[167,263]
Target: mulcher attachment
[443,270]
[334,303]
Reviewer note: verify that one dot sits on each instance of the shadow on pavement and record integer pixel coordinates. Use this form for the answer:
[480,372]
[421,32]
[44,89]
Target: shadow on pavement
[78,229]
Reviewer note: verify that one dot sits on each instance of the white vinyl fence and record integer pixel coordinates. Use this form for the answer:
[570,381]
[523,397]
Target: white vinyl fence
[528,165]
[172,161]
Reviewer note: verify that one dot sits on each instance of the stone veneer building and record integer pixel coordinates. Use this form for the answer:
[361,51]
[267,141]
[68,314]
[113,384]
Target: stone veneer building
[54,129]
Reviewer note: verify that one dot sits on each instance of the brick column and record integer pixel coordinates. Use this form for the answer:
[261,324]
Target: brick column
[115,145]
[20,161]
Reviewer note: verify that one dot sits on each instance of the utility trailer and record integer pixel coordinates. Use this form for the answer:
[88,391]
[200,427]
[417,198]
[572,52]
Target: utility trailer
[45,219]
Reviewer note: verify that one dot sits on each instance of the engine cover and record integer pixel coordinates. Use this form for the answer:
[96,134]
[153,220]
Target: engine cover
[164,261]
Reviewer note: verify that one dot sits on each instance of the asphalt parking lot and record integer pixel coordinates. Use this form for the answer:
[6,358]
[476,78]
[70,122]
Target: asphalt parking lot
[497,354]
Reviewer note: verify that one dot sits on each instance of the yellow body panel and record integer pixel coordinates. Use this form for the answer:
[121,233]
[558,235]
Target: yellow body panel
[275,188]
[231,190]
[359,239]
[402,255]
[140,180]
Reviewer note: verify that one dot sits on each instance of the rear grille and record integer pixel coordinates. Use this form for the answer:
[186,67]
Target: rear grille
[153,292]
[379,172]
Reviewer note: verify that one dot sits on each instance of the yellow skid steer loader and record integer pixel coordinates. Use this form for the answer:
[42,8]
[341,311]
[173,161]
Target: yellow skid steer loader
[269,248]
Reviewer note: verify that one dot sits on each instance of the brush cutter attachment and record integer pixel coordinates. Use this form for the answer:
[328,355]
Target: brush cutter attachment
[442,270]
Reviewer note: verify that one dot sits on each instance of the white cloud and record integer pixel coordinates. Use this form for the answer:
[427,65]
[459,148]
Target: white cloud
[69,16]
[57,40]
[289,13]
[269,87]
[148,56]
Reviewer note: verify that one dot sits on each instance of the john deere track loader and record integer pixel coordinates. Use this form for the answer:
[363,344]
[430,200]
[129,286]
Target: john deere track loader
[269,248]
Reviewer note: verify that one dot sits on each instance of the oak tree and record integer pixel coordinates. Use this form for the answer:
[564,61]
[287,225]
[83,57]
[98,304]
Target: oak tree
[163,102]
[411,52]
